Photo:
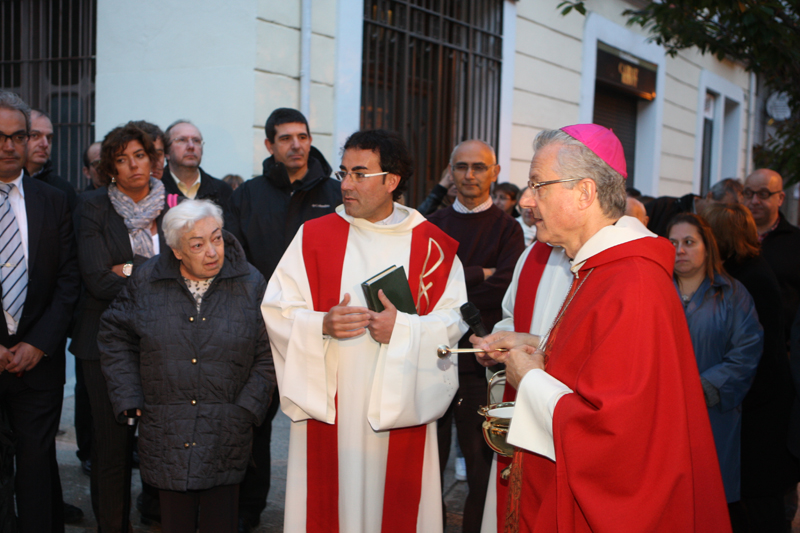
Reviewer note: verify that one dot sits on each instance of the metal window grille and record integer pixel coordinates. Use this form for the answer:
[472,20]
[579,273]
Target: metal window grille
[47,57]
[431,71]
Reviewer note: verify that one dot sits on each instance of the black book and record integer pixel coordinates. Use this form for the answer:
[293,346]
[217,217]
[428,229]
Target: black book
[394,283]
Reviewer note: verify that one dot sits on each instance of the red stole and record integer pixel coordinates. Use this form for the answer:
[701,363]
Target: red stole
[324,246]
[524,300]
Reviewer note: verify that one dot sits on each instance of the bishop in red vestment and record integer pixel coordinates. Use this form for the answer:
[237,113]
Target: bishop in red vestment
[610,423]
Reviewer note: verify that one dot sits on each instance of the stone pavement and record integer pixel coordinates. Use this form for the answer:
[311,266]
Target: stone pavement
[76,485]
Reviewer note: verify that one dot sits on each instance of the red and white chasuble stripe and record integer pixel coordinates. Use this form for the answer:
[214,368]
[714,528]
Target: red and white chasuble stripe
[324,245]
[527,287]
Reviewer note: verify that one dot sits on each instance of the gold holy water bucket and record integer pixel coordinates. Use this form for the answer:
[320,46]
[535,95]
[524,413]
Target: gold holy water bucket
[498,419]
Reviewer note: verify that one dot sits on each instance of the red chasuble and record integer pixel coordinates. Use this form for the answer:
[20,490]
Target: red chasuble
[324,246]
[634,449]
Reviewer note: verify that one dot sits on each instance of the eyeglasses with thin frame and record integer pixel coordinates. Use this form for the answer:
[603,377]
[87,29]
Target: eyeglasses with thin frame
[477,168]
[762,194]
[18,137]
[197,141]
[341,175]
[536,186]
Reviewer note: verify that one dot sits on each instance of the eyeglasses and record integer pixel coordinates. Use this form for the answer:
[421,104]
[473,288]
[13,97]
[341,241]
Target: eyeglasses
[197,141]
[18,137]
[536,186]
[762,194]
[341,175]
[95,163]
[477,168]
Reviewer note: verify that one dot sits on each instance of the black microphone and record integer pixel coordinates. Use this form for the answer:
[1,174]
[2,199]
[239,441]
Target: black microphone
[472,316]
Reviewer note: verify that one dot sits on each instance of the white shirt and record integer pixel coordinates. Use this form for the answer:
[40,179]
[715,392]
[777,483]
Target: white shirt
[17,201]
[461,208]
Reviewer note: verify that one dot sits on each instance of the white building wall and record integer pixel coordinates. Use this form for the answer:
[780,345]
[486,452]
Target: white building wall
[277,71]
[553,87]
[172,59]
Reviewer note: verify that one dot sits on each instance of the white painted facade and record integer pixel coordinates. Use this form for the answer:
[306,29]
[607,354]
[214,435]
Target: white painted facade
[226,66]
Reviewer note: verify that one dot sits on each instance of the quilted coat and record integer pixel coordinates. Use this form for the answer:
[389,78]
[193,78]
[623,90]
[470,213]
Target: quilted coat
[201,379]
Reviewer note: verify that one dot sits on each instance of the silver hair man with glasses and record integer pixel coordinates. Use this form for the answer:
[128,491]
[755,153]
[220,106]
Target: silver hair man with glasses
[490,242]
[182,175]
[363,385]
[780,240]
[40,284]
[610,422]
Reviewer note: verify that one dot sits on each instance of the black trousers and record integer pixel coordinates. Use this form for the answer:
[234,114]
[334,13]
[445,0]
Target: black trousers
[108,453]
[470,396]
[254,489]
[34,416]
[212,510]
[83,415]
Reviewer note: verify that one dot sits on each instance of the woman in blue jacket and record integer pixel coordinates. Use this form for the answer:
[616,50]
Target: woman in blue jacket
[726,336]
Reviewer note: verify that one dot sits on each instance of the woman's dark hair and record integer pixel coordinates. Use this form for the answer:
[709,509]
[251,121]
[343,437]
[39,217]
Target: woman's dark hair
[393,151]
[713,261]
[508,188]
[152,130]
[734,229]
[115,143]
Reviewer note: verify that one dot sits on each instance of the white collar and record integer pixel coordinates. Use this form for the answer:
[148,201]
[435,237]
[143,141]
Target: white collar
[626,229]
[461,208]
[179,182]
[17,182]
[402,219]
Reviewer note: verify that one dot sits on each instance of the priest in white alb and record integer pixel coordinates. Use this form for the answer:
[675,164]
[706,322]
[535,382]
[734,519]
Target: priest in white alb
[364,388]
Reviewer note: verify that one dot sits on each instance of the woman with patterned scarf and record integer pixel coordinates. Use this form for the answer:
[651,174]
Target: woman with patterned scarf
[118,228]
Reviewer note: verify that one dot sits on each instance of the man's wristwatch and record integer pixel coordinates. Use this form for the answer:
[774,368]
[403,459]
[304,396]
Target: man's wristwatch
[127,269]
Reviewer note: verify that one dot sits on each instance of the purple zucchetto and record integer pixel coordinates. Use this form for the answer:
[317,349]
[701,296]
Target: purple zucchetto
[602,142]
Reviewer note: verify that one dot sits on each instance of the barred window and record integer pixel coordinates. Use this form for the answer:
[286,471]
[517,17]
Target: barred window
[431,71]
[47,57]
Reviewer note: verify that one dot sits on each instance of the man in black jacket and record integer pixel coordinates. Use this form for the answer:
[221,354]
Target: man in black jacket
[264,213]
[37,220]
[780,240]
[38,164]
[183,175]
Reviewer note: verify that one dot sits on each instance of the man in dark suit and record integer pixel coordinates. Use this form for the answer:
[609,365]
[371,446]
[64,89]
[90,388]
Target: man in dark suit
[183,175]
[35,218]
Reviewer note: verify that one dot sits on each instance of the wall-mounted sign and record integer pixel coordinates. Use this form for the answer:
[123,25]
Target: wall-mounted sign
[626,72]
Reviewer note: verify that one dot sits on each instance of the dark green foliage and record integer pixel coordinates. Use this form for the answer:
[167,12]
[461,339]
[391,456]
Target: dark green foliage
[762,35]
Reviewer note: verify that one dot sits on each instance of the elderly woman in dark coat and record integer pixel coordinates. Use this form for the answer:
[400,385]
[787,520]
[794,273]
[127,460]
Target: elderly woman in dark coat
[184,345]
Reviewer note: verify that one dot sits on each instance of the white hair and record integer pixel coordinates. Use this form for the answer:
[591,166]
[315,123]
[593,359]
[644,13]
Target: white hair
[182,218]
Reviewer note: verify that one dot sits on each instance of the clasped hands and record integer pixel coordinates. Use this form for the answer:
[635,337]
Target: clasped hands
[523,354]
[345,322]
[19,358]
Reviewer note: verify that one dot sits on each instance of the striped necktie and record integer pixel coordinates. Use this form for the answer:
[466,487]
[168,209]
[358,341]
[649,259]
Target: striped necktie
[13,272]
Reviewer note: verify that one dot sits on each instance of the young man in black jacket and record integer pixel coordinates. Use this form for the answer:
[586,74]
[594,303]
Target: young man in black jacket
[264,213]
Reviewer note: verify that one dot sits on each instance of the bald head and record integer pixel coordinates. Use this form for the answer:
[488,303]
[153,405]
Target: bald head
[473,144]
[763,195]
[634,208]
[474,168]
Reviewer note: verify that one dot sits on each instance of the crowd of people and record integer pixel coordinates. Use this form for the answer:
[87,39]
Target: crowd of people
[649,344]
